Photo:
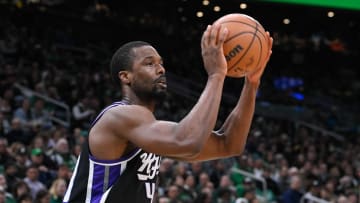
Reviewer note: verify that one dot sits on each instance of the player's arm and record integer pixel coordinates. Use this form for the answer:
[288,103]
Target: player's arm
[186,138]
[230,139]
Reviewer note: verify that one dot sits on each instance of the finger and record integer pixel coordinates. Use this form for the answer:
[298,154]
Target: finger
[223,33]
[213,34]
[270,43]
[270,40]
[270,48]
[261,68]
[204,39]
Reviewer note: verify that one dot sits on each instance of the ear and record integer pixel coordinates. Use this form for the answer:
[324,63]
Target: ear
[125,77]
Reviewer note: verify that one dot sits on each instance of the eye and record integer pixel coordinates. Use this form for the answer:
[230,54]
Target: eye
[150,63]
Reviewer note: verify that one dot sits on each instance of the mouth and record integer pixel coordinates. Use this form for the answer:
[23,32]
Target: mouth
[161,81]
[162,84]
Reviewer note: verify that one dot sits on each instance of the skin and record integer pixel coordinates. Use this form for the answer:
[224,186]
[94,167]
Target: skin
[125,127]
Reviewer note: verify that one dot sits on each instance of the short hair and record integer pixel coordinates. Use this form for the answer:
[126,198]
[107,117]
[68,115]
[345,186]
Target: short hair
[123,58]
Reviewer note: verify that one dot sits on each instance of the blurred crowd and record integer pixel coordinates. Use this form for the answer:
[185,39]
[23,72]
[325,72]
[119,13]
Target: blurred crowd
[283,162]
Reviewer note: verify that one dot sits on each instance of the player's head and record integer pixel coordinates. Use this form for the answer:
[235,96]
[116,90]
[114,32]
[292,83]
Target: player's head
[138,66]
[123,58]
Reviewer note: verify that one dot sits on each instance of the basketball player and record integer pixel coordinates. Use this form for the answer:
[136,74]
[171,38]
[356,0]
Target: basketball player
[121,160]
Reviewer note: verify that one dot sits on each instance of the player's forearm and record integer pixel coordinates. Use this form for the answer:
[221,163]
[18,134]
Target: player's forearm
[237,125]
[198,124]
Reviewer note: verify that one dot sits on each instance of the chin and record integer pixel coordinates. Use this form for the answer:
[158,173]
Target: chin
[160,95]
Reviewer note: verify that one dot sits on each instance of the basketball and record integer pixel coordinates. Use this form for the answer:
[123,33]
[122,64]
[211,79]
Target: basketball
[246,45]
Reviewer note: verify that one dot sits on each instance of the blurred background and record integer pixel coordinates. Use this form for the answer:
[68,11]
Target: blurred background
[304,142]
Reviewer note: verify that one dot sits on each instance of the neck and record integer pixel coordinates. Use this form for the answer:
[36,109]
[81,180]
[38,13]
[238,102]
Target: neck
[132,99]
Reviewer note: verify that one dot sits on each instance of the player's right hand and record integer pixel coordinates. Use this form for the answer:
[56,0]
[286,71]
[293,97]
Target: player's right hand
[212,49]
[255,76]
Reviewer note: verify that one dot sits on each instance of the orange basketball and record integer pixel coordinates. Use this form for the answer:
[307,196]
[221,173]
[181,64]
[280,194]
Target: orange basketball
[246,45]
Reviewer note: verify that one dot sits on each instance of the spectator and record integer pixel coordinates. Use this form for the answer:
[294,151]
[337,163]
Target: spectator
[189,189]
[12,176]
[39,142]
[281,177]
[196,169]
[173,194]
[39,115]
[203,181]
[2,196]
[22,161]
[205,196]
[246,185]
[353,197]
[249,196]
[39,159]
[25,198]
[57,190]
[5,108]
[17,133]
[314,189]
[163,199]
[63,155]
[326,195]
[82,113]
[224,195]
[5,157]
[4,125]
[23,113]
[42,196]
[20,190]
[79,136]
[77,150]
[342,199]
[240,162]
[32,180]
[3,188]
[64,172]
[218,170]
[293,194]
[226,190]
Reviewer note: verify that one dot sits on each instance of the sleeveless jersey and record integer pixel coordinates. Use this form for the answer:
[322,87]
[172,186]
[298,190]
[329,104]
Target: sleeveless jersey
[129,179]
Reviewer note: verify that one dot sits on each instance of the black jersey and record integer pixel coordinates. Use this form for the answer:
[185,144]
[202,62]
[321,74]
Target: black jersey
[129,179]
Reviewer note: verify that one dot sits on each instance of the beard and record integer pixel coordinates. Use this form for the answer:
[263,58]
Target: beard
[157,91]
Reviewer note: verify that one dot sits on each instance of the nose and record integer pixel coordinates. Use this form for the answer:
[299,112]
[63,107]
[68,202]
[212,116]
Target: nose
[160,69]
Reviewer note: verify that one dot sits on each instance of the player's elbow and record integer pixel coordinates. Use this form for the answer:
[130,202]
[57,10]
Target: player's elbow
[237,150]
[194,148]
[189,147]
[189,142]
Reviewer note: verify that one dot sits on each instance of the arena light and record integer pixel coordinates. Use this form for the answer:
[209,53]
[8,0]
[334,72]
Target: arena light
[286,21]
[243,5]
[206,2]
[199,14]
[330,14]
[217,8]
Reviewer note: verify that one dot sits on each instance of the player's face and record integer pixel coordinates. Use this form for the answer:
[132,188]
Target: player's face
[148,81]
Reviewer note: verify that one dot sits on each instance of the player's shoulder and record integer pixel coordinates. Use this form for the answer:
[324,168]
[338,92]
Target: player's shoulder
[130,113]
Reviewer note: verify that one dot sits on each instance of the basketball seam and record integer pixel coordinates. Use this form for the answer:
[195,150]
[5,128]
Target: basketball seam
[252,41]
[252,26]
